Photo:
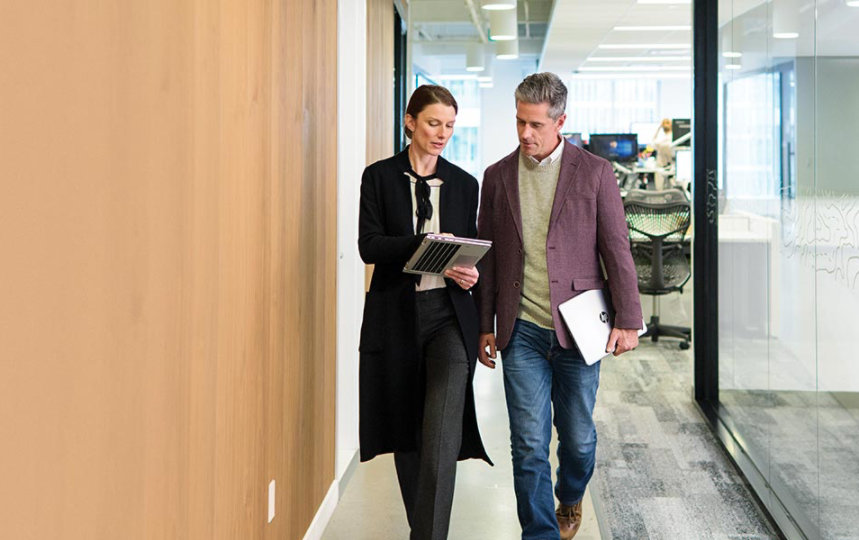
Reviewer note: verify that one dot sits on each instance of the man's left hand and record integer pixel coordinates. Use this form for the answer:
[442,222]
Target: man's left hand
[621,340]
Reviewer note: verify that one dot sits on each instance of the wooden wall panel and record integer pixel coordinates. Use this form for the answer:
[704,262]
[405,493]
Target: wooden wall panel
[380,85]
[167,200]
[380,77]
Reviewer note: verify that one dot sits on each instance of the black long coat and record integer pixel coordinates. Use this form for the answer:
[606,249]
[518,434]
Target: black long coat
[391,374]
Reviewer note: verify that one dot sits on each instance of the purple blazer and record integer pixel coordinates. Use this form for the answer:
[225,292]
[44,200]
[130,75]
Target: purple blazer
[587,223]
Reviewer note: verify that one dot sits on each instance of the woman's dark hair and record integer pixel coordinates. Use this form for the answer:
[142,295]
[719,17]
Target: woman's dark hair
[426,95]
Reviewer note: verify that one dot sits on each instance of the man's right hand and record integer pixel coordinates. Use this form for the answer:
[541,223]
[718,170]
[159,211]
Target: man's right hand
[487,341]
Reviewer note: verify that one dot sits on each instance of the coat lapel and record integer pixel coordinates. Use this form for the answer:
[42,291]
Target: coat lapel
[446,201]
[510,181]
[403,187]
[569,164]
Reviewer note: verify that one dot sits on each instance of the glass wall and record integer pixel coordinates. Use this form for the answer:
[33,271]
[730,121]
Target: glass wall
[788,275]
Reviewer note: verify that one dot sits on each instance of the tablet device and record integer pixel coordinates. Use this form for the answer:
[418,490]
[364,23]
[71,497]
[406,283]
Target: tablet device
[589,318]
[437,253]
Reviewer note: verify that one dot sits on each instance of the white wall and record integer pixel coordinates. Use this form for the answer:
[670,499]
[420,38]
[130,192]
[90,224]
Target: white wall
[351,158]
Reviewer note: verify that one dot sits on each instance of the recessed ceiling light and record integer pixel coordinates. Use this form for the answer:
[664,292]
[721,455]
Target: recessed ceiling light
[645,46]
[785,35]
[733,66]
[634,68]
[852,3]
[664,1]
[640,59]
[732,54]
[650,75]
[653,28]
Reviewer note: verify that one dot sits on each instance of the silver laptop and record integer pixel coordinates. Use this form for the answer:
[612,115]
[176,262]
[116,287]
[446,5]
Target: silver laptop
[589,318]
[437,253]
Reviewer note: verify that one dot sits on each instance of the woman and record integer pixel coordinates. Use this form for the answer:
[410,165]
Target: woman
[419,334]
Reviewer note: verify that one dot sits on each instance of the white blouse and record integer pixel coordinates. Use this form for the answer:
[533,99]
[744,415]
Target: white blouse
[430,226]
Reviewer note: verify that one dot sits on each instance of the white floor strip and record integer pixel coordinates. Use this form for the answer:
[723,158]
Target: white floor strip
[323,515]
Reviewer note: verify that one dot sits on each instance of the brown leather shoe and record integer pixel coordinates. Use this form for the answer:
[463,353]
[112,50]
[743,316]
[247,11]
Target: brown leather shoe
[569,519]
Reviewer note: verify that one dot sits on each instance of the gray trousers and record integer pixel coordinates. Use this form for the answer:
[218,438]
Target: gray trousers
[427,476]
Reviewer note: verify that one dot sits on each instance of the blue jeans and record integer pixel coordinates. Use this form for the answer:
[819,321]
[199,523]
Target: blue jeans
[539,373]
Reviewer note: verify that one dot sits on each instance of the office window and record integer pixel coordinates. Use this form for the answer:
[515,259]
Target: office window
[464,147]
[752,128]
[596,105]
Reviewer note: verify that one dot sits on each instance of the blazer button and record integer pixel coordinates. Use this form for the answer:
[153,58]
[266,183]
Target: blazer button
[515,284]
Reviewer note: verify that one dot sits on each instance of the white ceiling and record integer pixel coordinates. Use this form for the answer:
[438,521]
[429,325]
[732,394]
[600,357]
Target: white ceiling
[441,30]
[579,27]
[565,36]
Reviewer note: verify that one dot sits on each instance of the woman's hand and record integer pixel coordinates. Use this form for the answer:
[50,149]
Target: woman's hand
[464,276]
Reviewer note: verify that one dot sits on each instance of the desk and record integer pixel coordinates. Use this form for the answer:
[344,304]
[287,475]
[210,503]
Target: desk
[749,276]
[637,176]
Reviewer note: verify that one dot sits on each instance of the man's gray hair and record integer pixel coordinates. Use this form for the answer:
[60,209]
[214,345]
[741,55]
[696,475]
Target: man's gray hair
[543,88]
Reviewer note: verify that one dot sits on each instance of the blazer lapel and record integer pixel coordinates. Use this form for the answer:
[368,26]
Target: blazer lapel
[569,164]
[510,180]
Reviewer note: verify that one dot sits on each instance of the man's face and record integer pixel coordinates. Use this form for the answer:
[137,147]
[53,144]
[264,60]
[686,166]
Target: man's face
[538,133]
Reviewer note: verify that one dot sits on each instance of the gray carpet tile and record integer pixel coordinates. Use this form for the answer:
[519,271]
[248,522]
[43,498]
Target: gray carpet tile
[808,445]
[661,474]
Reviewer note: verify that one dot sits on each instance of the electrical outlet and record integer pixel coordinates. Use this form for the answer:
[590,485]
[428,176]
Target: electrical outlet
[270,501]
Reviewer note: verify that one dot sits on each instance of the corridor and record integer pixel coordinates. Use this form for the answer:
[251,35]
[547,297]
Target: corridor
[660,472]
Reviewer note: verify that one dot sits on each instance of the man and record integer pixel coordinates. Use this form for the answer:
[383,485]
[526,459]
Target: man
[553,211]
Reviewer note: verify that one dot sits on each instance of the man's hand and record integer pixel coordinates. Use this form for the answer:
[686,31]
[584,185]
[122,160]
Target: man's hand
[621,340]
[486,358]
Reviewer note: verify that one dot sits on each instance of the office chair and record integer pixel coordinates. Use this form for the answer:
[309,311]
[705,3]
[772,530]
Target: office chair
[657,222]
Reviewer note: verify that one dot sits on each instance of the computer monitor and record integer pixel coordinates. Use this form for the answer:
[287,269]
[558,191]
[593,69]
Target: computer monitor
[620,147]
[574,138]
[680,127]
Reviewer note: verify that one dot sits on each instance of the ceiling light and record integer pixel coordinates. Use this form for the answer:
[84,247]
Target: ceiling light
[649,75]
[640,59]
[785,19]
[474,60]
[485,85]
[664,1]
[507,50]
[645,46]
[733,66]
[654,28]
[498,4]
[852,3]
[486,74]
[502,25]
[731,41]
[634,68]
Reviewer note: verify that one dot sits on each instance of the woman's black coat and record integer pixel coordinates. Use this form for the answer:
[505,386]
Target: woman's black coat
[391,374]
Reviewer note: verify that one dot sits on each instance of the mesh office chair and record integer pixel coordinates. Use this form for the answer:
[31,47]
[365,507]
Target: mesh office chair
[657,222]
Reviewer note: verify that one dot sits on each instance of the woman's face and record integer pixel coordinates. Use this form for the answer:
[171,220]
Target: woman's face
[432,128]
